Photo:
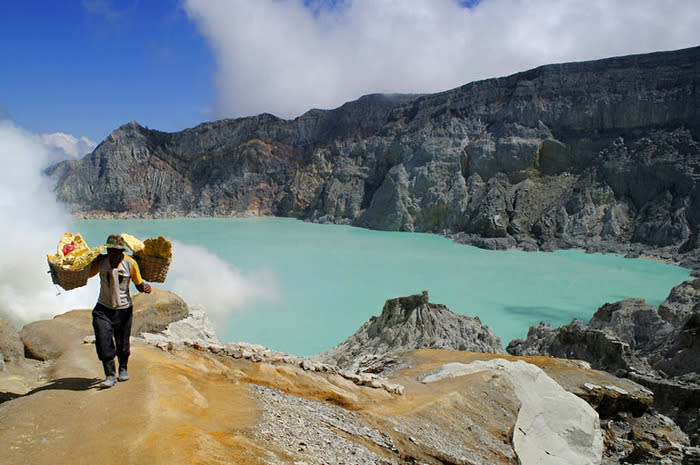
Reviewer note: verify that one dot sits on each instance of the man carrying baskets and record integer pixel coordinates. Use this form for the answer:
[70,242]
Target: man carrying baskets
[113,313]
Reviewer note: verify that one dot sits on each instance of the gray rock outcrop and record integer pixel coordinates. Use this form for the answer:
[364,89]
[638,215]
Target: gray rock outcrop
[408,323]
[48,339]
[154,312]
[194,328]
[11,347]
[602,155]
[658,348]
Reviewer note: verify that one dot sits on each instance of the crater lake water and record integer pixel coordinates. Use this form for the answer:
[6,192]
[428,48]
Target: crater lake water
[302,288]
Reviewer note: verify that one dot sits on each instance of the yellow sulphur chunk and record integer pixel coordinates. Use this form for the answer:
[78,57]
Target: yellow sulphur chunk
[160,247]
[132,242]
[79,257]
[86,258]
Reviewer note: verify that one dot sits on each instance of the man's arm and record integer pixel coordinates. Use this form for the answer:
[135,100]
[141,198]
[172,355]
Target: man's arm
[95,266]
[136,278]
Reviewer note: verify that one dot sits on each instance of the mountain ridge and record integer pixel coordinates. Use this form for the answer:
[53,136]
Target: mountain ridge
[601,155]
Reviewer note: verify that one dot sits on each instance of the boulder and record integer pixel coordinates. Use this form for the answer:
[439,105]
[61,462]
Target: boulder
[49,339]
[11,347]
[678,398]
[681,355]
[648,439]
[155,311]
[195,328]
[553,425]
[681,303]
[634,322]
[603,350]
[610,396]
[81,320]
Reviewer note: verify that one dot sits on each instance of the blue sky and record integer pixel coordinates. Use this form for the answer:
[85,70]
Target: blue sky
[83,68]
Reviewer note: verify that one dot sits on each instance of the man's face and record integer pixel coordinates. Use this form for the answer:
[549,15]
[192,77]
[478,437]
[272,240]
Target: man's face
[115,257]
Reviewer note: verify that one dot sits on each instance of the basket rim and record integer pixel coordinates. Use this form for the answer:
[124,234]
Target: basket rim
[140,256]
[61,269]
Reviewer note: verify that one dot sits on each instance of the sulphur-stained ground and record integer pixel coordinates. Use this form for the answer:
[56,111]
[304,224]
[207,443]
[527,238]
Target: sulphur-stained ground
[188,405]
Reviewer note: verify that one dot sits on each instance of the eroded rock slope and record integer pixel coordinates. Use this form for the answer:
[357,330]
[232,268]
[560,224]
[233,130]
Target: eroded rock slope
[602,155]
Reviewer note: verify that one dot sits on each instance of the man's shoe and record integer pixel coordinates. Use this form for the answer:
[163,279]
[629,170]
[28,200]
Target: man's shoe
[123,375]
[108,382]
[110,379]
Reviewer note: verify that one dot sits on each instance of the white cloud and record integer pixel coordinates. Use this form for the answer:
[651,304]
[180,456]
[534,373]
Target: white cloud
[278,56]
[64,146]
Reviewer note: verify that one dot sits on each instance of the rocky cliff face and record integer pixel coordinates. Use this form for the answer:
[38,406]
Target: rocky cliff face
[602,155]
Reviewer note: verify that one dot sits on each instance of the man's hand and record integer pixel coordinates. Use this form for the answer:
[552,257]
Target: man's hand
[144,287]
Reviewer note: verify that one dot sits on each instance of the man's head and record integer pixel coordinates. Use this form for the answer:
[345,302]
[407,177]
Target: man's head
[115,249]
[115,241]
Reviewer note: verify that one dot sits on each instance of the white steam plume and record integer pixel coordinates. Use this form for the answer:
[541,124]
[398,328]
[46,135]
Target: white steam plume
[32,224]
[285,57]
[200,277]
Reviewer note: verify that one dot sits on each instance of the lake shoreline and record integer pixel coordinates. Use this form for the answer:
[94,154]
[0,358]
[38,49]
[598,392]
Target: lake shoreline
[524,243]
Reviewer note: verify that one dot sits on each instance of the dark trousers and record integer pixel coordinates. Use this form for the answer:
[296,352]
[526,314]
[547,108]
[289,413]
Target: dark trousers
[112,331]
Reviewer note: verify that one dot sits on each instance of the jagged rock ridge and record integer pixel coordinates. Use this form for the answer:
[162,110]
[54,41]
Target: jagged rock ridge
[408,323]
[602,155]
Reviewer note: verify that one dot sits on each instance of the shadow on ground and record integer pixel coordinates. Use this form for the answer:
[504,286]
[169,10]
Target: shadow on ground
[68,384]
[62,384]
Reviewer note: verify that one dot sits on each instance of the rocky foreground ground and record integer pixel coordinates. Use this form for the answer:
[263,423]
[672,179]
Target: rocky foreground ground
[195,400]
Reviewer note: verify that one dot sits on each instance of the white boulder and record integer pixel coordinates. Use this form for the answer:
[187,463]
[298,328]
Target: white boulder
[553,427]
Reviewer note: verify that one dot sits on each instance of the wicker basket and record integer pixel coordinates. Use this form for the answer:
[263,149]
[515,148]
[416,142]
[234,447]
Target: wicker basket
[153,269]
[69,279]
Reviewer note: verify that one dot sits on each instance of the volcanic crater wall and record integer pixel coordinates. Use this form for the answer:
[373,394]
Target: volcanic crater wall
[602,155]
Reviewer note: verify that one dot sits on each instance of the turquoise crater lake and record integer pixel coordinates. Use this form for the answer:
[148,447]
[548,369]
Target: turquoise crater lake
[302,288]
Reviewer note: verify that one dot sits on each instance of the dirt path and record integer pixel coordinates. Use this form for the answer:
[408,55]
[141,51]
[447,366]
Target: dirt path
[167,413]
